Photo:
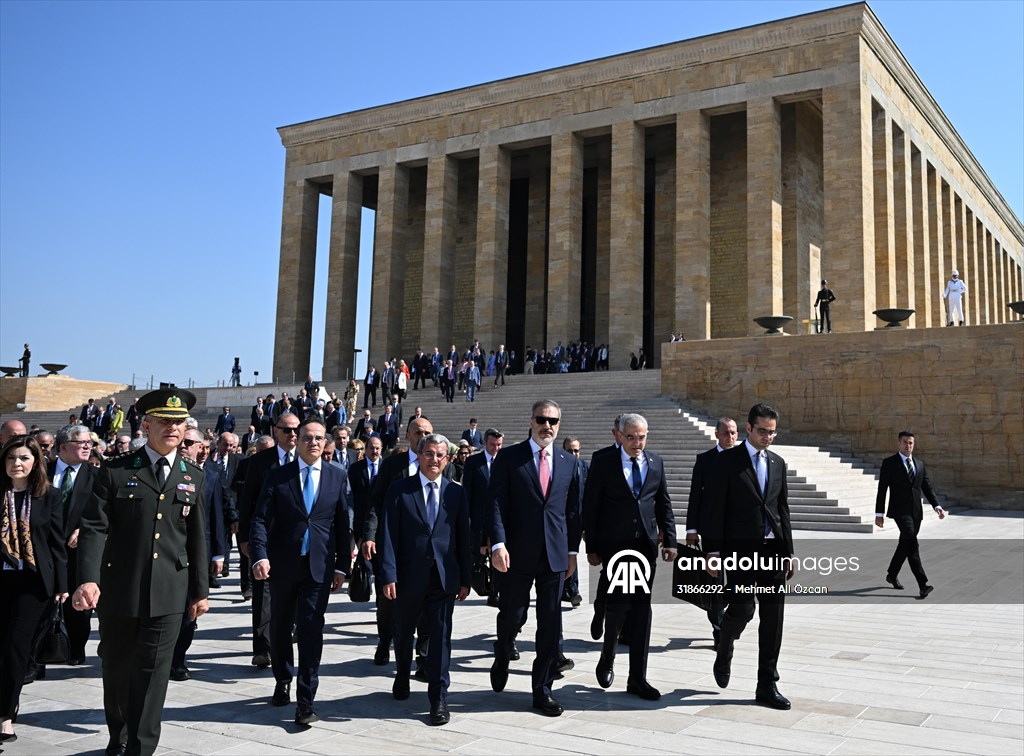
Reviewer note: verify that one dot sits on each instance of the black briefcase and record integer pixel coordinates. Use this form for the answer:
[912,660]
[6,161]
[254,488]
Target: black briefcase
[52,645]
[482,577]
[695,585]
[360,584]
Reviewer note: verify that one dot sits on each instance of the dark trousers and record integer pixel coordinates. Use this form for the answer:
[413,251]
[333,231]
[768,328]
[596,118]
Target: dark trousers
[371,394]
[136,654]
[78,623]
[24,601]
[499,372]
[770,612]
[303,600]
[433,611]
[449,392]
[260,617]
[386,618]
[513,602]
[185,635]
[630,614]
[825,321]
[907,550]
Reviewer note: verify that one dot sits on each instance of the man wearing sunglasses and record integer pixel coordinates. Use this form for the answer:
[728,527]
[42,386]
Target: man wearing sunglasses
[260,464]
[535,534]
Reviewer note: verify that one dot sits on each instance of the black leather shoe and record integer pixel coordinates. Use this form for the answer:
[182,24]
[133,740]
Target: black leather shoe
[894,582]
[564,664]
[597,624]
[645,690]
[576,599]
[247,594]
[769,696]
[605,671]
[181,674]
[400,690]
[439,714]
[499,675]
[547,706]
[925,590]
[115,749]
[282,694]
[421,672]
[492,601]
[76,659]
[214,582]
[8,737]
[260,661]
[513,654]
[305,716]
[382,655]
[723,662]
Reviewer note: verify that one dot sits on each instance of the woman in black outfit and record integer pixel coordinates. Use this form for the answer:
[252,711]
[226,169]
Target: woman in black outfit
[34,564]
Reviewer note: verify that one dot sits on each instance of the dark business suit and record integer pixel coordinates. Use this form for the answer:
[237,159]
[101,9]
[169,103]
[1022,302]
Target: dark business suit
[905,509]
[78,623]
[300,586]
[387,427]
[538,532]
[225,424]
[614,520]
[145,546]
[500,366]
[733,522]
[395,467]
[428,566]
[27,593]
[256,469]
[701,467]
[474,437]
[359,483]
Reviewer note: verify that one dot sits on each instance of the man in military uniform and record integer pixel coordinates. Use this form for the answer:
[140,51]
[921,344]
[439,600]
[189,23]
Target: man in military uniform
[142,541]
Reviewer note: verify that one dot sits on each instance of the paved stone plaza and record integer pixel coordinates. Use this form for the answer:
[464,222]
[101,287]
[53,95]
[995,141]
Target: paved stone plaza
[900,677]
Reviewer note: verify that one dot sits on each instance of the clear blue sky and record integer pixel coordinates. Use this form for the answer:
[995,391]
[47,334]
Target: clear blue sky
[141,173]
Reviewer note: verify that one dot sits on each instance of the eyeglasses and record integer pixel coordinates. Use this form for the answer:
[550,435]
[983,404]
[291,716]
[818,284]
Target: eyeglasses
[313,439]
[433,455]
[574,451]
[288,431]
[541,420]
[188,443]
[83,444]
[767,432]
[636,437]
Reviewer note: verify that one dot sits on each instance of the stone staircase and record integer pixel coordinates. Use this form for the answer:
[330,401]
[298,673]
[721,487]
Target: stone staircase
[827,490]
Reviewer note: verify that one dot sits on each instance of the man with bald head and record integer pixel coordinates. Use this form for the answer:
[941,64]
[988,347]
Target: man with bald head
[10,429]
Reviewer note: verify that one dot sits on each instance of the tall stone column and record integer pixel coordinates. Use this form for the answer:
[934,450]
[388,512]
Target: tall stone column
[937,241]
[960,252]
[923,269]
[438,284]
[949,248]
[885,227]
[764,211]
[565,245]
[293,335]
[849,204]
[1004,283]
[343,276]
[387,313]
[693,224]
[977,287]
[903,224]
[492,245]
[535,321]
[625,302]
[986,271]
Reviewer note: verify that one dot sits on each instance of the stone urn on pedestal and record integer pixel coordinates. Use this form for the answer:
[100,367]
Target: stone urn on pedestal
[773,323]
[893,316]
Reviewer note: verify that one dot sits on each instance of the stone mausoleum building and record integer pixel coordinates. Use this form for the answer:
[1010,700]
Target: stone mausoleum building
[691,186]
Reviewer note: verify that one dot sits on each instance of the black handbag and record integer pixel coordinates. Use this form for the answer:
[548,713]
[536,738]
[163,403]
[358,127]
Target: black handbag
[360,584]
[482,576]
[52,645]
[695,585]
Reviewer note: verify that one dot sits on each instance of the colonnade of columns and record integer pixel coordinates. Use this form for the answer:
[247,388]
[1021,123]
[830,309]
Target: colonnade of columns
[891,225]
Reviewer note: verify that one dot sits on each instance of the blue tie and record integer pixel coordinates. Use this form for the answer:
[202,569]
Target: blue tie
[637,482]
[431,505]
[762,481]
[307,497]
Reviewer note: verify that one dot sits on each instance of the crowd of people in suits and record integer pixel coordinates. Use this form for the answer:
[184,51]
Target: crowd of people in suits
[154,527]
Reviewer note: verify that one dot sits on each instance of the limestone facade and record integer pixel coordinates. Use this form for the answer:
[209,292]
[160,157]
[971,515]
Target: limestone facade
[691,186]
[51,393]
[957,389]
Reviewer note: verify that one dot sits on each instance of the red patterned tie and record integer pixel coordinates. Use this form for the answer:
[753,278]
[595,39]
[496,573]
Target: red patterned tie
[545,472]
